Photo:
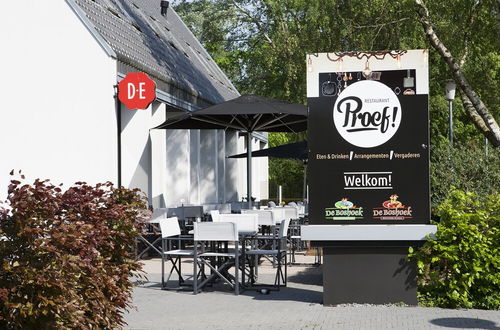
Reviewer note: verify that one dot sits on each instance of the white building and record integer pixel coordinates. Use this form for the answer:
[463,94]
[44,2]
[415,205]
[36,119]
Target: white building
[58,119]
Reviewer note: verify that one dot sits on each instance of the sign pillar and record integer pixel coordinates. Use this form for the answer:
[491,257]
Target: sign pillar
[368,171]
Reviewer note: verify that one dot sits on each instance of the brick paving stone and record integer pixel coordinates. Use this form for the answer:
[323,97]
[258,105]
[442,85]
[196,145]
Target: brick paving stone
[297,306]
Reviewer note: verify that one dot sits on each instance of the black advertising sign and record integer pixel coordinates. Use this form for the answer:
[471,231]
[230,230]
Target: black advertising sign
[368,138]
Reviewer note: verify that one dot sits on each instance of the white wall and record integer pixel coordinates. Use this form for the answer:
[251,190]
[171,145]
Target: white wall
[144,152]
[173,167]
[136,149]
[194,172]
[208,166]
[57,118]
[197,170]
[178,169]
[232,167]
[158,157]
[260,174]
[221,166]
[263,176]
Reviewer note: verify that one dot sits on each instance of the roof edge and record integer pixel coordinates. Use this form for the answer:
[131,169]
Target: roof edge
[90,27]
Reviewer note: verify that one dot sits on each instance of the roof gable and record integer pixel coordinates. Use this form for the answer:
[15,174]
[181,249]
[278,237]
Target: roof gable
[160,45]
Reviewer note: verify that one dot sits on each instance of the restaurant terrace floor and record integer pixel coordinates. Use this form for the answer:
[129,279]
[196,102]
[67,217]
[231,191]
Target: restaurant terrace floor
[297,306]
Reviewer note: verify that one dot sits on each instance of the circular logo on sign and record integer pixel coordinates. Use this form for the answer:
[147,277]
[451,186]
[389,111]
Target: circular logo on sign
[137,90]
[367,114]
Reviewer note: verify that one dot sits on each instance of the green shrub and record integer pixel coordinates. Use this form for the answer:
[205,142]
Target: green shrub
[66,256]
[460,266]
[467,168]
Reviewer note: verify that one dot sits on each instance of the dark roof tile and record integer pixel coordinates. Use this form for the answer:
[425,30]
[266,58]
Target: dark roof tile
[161,46]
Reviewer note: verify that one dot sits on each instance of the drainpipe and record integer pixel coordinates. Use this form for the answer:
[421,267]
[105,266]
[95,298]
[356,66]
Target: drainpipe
[118,110]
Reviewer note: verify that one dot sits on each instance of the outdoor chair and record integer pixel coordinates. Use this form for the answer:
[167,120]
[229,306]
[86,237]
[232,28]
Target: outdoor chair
[225,232]
[215,215]
[296,243]
[266,220]
[248,227]
[224,208]
[154,238]
[158,213]
[270,217]
[221,207]
[247,224]
[237,206]
[267,240]
[291,212]
[278,214]
[187,214]
[280,253]
[170,230]
[265,217]
[302,210]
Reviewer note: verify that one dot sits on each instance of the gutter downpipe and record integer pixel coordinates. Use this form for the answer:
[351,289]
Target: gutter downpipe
[118,110]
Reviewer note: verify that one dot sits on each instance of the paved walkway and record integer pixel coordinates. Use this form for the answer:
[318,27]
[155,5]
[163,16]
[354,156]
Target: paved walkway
[296,307]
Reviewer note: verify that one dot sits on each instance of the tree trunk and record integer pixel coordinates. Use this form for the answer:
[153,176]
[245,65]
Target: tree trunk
[478,112]
[475,117]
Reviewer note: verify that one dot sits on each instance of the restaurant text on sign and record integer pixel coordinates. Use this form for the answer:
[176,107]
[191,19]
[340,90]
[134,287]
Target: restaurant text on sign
[137,91]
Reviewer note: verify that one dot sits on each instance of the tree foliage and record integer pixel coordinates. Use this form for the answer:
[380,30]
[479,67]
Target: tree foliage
[262,46]
[478,112]
[459,267]
[66,256]
[288,173]
[470,168]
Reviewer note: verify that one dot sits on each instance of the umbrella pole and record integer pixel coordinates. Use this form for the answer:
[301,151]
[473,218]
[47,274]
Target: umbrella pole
[304,188]
[249,170]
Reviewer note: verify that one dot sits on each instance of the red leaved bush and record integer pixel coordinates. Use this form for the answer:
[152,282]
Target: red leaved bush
[67,256]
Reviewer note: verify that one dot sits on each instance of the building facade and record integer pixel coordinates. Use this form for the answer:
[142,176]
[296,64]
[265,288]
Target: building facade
[60,119]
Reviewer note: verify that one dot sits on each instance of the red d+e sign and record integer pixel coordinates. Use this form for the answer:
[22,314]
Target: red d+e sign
[137,91]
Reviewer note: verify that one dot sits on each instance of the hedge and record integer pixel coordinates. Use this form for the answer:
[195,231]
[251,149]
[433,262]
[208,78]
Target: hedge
[67,259]
[459,267]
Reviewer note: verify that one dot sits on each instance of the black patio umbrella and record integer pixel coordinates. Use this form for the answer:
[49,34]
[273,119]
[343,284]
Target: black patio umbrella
[248,113]
[297,150]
